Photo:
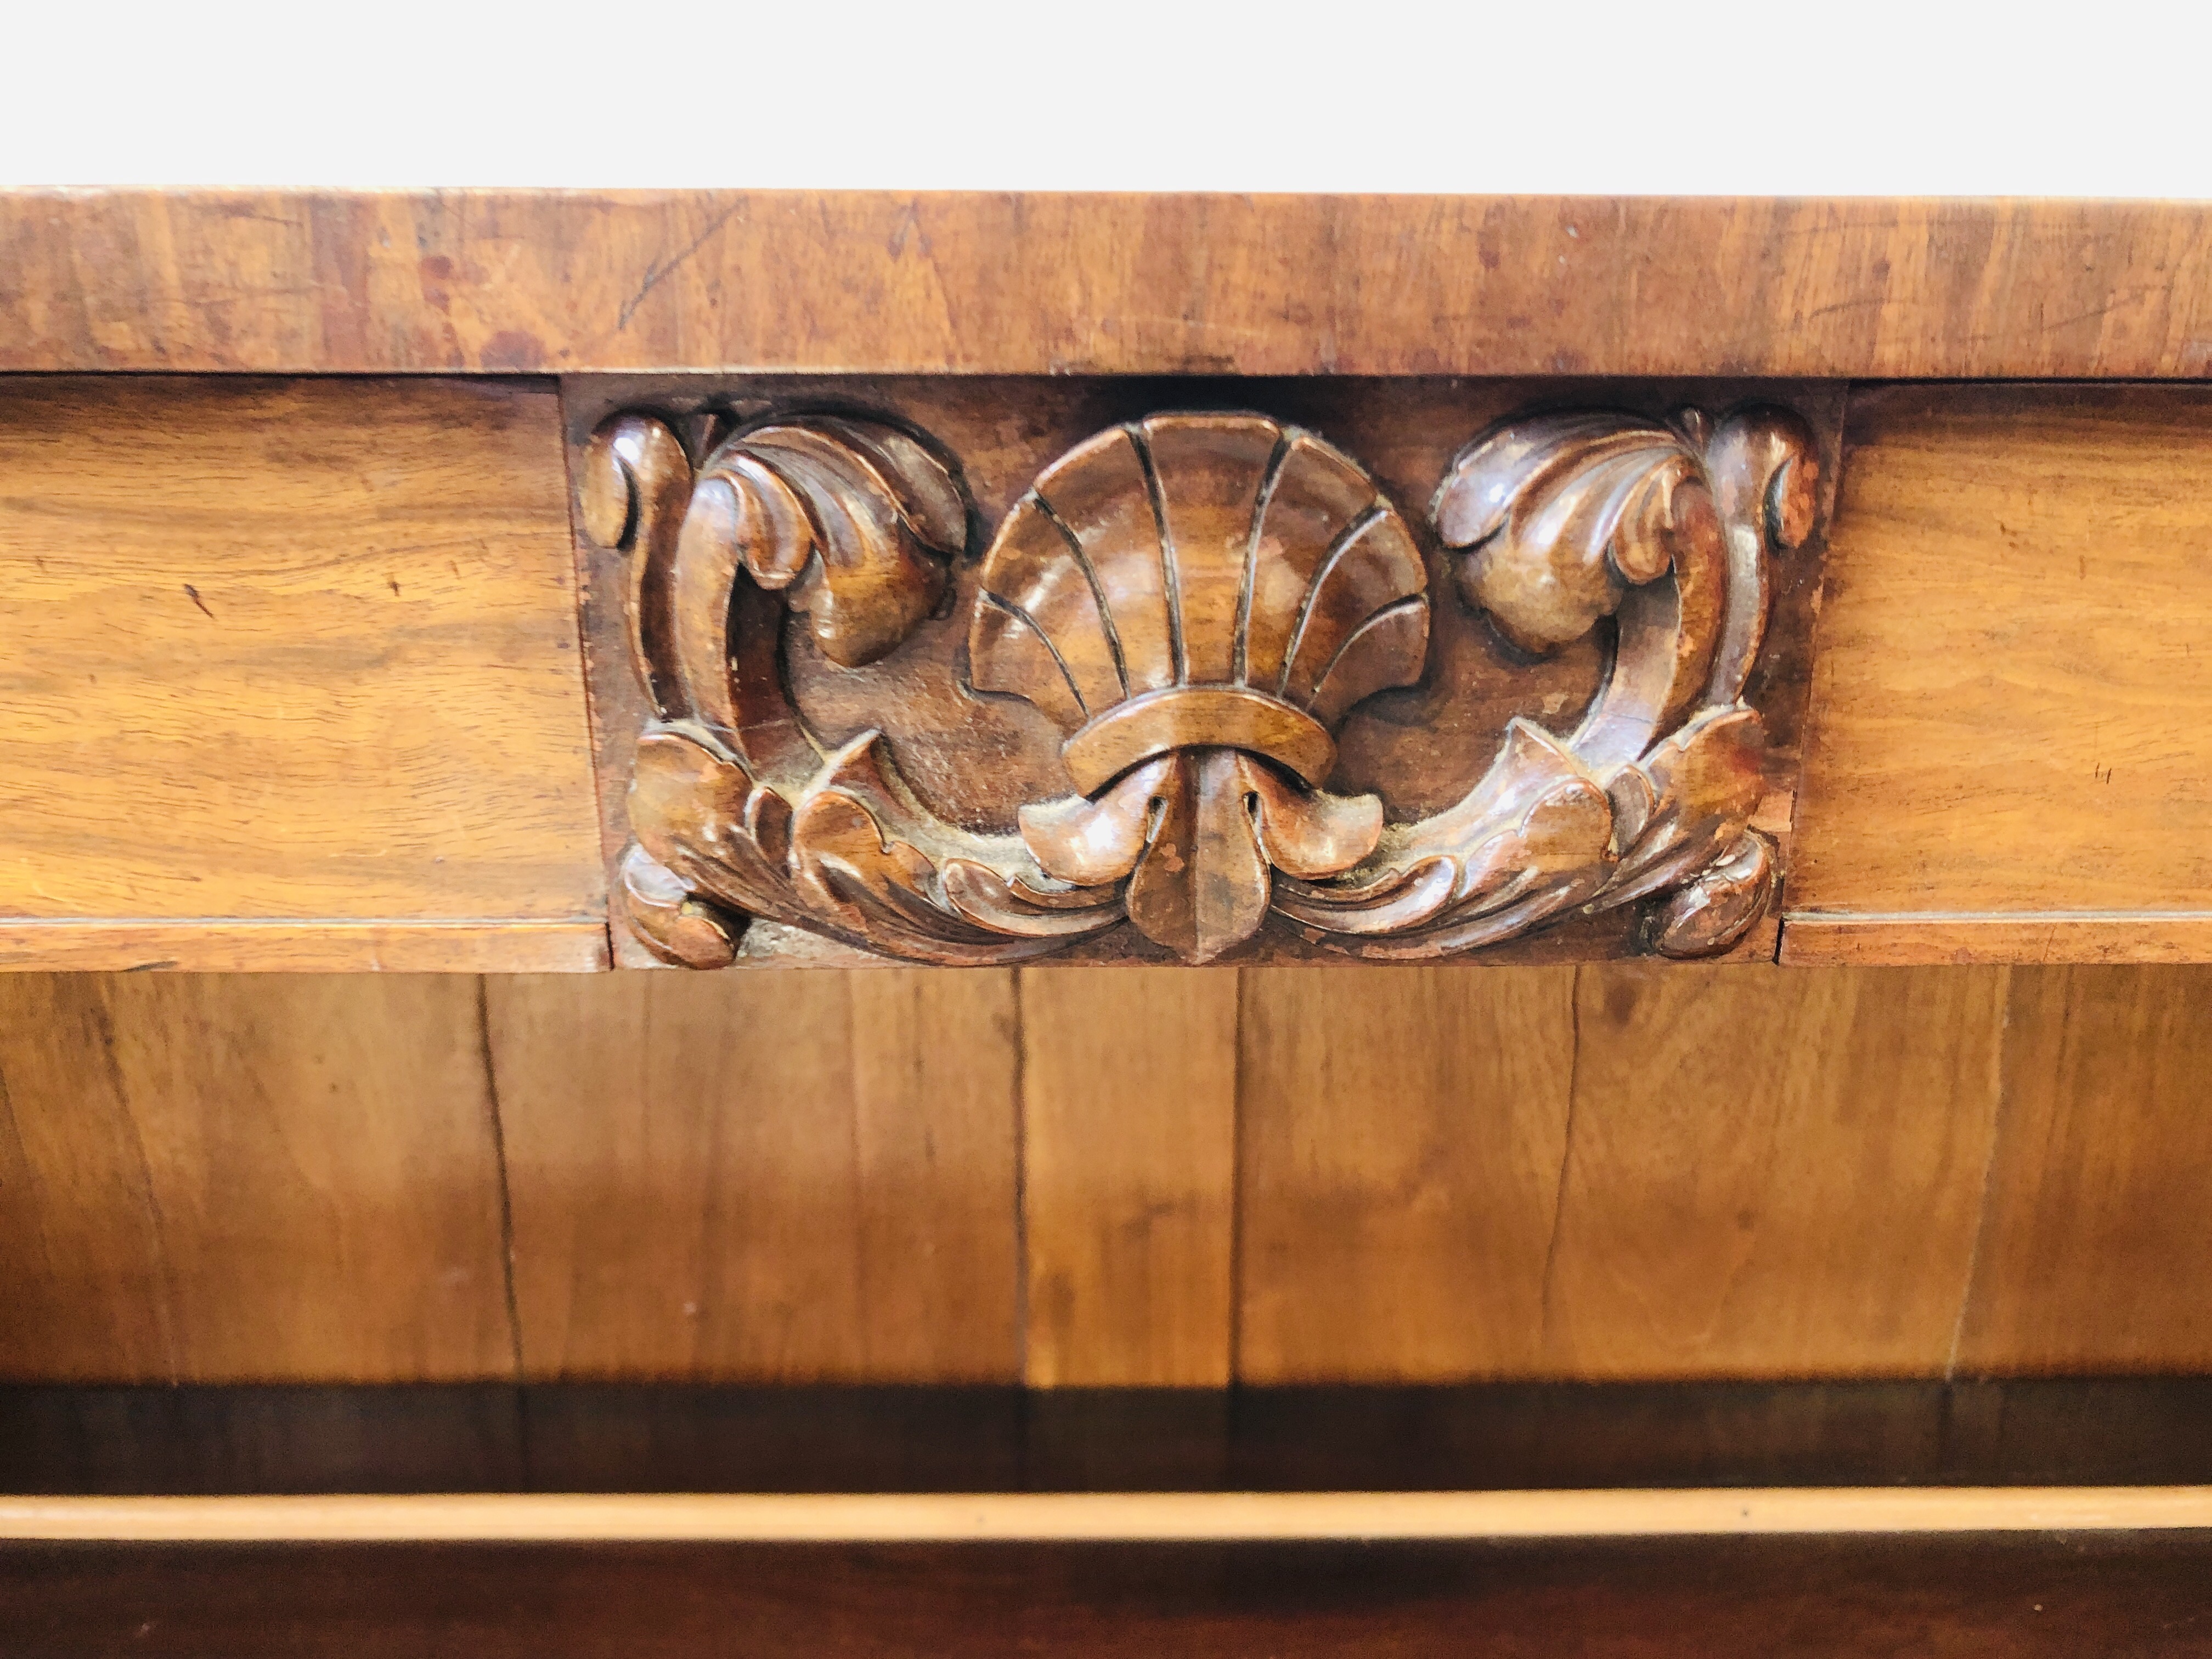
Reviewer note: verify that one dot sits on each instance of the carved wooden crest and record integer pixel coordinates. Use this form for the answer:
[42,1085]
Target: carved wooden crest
[1196,602]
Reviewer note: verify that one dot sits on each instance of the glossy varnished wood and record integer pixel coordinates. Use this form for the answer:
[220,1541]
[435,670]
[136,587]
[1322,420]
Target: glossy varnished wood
[1041,284]
[292,651]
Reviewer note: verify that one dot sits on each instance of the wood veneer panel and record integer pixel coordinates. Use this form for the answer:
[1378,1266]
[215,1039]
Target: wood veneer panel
[1128,1189]
[1401,1135]
[289,651]
[2009,707]
[782,1177]
[211,1178]
[1046,283]
[2095,1252]
[1772,1175]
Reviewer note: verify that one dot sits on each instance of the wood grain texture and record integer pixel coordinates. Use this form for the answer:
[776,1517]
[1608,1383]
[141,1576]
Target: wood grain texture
[288,651]
[2094,1254]
[786,1177]
[1042,283]
[1401,1134]
[211,1179]
[1128,1188]
[2009,704]
[1612,1172]
[1772,1175]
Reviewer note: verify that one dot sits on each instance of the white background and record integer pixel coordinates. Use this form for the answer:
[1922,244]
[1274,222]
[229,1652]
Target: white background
[1793,96]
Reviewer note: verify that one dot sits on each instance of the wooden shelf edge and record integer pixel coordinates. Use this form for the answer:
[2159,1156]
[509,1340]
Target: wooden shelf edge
[1812,939]
[230,945]
[1065,1517]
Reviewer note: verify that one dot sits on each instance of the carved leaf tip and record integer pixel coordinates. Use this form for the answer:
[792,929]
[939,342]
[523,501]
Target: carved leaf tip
[1712,911]
[1559,516]
[1766,467]
[855,519]
[633,464]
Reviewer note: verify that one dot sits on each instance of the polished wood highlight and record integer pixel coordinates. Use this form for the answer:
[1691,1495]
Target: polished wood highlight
[510,282]
[297,652]
[2007,740]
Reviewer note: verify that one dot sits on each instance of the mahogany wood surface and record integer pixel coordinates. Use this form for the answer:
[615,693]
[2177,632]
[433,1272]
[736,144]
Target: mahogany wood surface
[1440,1175]
[508,281]
[1947,1598]
[295,652]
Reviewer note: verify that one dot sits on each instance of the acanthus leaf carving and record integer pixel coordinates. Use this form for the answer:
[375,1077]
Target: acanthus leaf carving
[1197,601]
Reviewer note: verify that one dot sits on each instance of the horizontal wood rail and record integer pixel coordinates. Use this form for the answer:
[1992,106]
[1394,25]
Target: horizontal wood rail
[1094,1517]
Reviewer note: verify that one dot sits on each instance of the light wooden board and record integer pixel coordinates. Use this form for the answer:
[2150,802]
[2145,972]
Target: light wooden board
[1161,1518]
[2009,695]
[289,651]
[510,281]
[1128,1190]
[804,1176]
[217,1179]
[2096,1250]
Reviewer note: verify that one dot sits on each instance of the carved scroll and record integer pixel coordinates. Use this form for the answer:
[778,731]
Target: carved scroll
[1197,602]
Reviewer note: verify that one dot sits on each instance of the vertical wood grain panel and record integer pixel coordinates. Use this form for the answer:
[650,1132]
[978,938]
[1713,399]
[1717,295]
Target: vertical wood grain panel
[798,1176]
[1772,1174]
[214,1179]
[1129,1148]
[2096,1250]
[1402,1134]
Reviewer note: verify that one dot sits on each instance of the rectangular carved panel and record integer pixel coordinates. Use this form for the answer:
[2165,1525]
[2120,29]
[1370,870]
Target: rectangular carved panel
[991,671]
[291,679]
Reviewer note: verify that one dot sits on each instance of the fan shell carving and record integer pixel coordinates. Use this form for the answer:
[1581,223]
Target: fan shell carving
[1196,602]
